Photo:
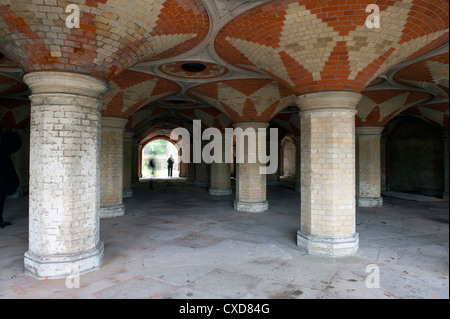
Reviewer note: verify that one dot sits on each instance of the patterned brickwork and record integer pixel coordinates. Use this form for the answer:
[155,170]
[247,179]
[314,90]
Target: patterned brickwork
[436,114]
[325,45]
[14,114]
[145,114]
[431,74]
[131,90]
[210,117]
[245,100]
[10,86]
[376,108]
[113,35]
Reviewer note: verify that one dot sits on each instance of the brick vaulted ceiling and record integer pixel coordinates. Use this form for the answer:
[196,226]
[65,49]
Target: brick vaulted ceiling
[224,61]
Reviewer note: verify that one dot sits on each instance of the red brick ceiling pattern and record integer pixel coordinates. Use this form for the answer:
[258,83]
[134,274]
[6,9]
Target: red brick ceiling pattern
[113,35]
[431,74]
[437,114]
[210,117]
[244,100]
[131,90]
[376,108]
[325,45]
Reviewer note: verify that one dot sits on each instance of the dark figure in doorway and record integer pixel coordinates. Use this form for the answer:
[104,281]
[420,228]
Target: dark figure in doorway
[9,181]
[151,166]
[170,162]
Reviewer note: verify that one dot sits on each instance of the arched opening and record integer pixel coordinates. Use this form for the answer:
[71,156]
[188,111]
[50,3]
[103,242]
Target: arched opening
[415,158]
[155,156]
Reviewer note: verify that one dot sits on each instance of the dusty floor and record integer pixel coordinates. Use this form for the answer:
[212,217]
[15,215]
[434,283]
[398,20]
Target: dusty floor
[176,241]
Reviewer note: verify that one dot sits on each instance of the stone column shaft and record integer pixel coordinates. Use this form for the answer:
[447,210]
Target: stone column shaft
[368,166]
[127,164]
[111,167]
[64,224]
[202,177]
[328,225]
[298,165]
[250,183]
[220,174]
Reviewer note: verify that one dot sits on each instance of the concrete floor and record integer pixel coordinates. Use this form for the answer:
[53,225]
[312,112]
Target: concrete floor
[176,241]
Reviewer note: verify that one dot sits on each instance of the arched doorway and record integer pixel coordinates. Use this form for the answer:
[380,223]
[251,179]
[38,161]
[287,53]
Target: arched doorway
[159,150]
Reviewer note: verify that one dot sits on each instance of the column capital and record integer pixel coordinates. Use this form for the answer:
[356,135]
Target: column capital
[369,130]
[328,100]
[128,136]
[45,82]
[444,134]
[113,124]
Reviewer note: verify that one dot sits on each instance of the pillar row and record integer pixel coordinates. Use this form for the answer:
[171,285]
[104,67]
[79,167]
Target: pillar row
[250,183]
[368,166]
[111,167]
[127,164]
[328,209]
[64,227]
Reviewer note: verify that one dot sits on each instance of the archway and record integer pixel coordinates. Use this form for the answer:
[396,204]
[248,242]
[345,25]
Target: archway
[158,150]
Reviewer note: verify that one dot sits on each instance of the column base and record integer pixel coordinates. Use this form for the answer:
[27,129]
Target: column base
[112,211]
[201,183]
[63,266]
[445,196]
[328,246]
[369,202]
[220,191]
[251,207]
[127,193]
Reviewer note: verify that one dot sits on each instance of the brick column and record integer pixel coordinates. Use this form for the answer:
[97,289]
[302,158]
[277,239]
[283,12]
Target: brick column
[127,164]
[250,183]
[328,225]
[134,162]
[64,224]
[368,166]
[446,159]
[274,179]
[220,176]
[298,166]
[111,167]
[202,172]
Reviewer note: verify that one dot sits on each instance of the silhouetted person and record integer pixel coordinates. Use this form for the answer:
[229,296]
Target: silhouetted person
[9,181]
[170,162]
[151,166]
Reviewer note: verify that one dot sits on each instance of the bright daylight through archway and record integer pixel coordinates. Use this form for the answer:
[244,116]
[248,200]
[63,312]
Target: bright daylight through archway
[158,152]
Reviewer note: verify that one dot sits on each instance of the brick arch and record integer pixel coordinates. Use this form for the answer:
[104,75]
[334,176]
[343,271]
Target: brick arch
[322,45]
[113,35]
[245,99]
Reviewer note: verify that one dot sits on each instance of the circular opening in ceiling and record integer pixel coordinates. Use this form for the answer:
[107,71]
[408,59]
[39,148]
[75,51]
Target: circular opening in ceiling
[193,67]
